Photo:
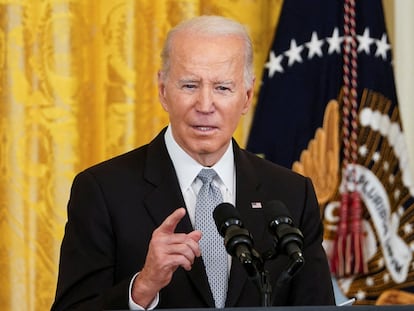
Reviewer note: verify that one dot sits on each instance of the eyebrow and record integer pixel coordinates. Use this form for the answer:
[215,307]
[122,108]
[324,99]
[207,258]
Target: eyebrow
[224,82]
[188,80]
[197,80]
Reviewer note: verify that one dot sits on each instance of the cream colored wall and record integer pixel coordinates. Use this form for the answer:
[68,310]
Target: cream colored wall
[400,24]
[404,67]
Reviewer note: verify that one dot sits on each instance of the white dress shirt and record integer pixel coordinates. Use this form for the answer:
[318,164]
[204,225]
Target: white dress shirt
[187,170]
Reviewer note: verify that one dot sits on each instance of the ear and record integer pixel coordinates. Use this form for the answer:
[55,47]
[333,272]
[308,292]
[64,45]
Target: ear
[249,98]
[162,90]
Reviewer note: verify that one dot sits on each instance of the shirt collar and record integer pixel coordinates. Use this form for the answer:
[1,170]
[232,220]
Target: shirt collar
[187,168]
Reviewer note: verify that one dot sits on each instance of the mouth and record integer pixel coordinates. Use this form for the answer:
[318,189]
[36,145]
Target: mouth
[204,128]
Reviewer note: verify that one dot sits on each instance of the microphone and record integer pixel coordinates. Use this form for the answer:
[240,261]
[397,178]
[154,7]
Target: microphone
[288,238]
[237,240]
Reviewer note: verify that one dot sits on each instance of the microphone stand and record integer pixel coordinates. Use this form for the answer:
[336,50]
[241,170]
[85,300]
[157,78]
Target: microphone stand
[266,289]
[295,264]
[260,277]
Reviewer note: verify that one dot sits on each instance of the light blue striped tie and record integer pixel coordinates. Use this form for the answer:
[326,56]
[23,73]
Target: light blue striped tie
[212,247]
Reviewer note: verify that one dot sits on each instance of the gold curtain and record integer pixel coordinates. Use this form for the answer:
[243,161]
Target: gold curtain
[77,86]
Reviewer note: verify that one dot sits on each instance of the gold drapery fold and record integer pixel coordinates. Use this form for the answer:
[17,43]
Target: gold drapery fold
[77,86]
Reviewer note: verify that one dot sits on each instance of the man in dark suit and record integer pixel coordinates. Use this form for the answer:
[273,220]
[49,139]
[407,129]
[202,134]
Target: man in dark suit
[130,240]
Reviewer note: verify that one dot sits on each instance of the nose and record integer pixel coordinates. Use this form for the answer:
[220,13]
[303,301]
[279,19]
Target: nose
[205,100]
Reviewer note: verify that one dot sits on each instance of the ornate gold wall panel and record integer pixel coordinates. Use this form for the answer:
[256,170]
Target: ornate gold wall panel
[77,86]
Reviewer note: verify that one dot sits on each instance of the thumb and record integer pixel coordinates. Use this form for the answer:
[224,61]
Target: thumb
[170,223]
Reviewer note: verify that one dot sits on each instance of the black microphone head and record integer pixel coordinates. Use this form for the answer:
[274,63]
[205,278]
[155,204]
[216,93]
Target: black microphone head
[225,215]
[280,224]
[276,212]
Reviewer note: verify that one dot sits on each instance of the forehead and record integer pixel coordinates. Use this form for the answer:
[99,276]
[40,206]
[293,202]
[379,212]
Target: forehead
[195,52]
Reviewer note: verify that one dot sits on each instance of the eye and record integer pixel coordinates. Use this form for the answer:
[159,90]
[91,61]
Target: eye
[224,89]
[188,86]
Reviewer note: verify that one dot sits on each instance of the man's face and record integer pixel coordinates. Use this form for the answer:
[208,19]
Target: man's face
[205,94]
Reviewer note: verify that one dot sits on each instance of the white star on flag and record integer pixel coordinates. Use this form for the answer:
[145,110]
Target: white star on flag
[294,53]
[314,46]
[335,42]
[382,47]
[274,64]
[364,42]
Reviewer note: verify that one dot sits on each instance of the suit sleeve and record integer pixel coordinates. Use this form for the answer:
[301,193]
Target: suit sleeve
[87,259]
[313,285]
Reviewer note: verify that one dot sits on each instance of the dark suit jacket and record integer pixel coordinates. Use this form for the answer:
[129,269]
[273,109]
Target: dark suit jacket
[115,206]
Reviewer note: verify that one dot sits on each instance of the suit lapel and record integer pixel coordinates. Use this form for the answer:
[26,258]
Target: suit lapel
[166,197]
[247,192]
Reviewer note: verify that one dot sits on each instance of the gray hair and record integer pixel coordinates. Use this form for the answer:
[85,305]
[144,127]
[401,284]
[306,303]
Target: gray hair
[214,26]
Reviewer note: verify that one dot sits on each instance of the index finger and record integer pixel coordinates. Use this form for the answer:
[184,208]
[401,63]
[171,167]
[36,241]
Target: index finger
[170,223]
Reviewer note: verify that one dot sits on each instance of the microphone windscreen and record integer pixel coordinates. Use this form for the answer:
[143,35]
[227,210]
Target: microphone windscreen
[222,213]
[274,209]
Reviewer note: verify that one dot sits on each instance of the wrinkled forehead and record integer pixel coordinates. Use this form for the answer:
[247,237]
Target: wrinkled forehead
[207,52]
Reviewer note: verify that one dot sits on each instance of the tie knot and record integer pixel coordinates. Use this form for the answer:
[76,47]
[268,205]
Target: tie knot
[207,175]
